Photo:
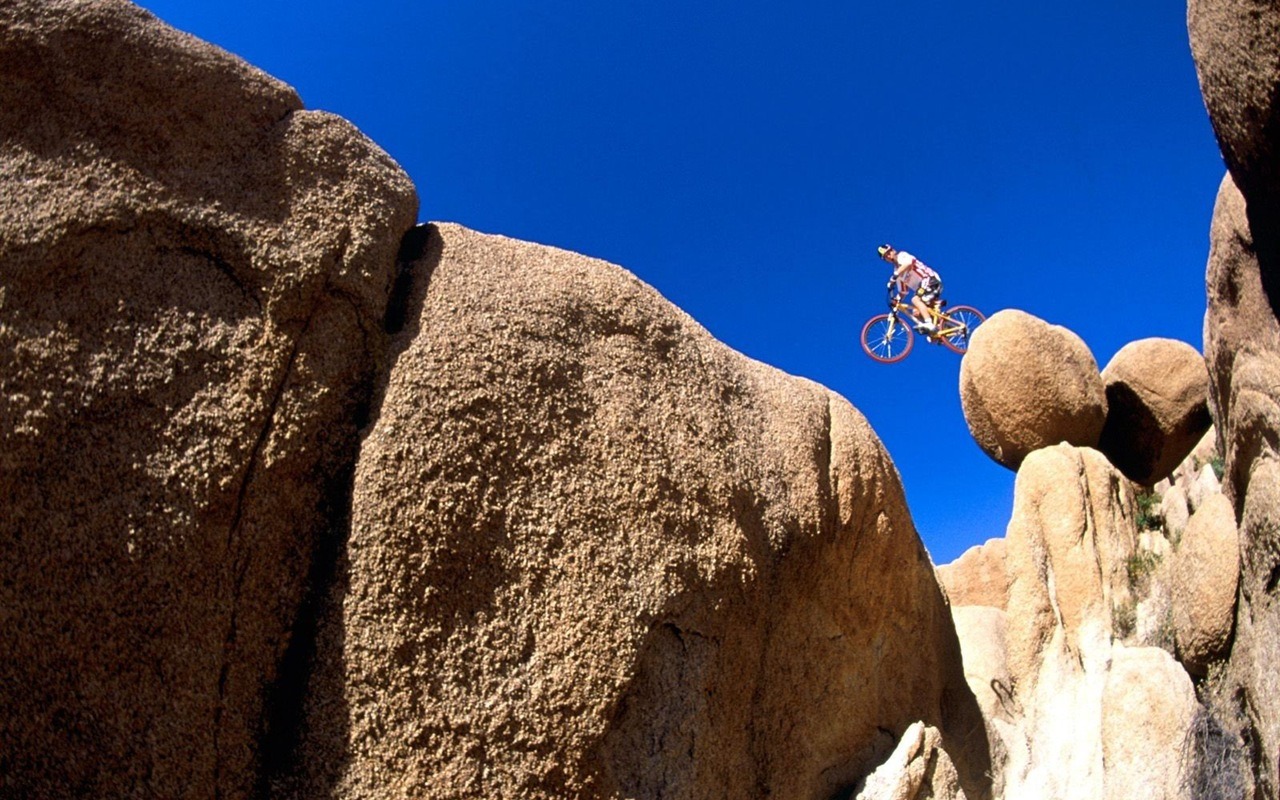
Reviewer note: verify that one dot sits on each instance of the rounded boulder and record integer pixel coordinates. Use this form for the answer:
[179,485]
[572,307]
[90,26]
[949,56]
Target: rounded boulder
[1206,577]
[1157,407]
[1026,384]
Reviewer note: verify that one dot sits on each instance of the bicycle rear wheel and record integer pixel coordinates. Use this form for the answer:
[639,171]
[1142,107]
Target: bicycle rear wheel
[886,338]
[956,326]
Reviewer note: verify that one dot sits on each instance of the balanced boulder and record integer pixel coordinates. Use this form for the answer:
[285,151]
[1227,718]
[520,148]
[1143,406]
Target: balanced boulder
[1026,384]
[1157,407]
[193,277]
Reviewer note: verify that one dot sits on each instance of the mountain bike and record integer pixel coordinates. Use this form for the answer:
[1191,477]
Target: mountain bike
[888,337]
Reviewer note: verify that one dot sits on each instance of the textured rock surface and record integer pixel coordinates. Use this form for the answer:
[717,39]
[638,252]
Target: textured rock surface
[1236,44]
[1069,541]
[1242,344]
[1157,407]
[919,769]
[1026,384]
[1206,571]
[1147,708]
[983,633]
[193,275]
[978,577]
[1071,533]
[596,553]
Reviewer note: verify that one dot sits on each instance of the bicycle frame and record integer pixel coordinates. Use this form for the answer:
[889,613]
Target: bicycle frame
[888,337]
[946,326]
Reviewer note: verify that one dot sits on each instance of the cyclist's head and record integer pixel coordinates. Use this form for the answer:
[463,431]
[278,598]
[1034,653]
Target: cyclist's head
[887,252]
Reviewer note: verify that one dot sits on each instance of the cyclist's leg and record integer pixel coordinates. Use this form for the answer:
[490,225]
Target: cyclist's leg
[923,314]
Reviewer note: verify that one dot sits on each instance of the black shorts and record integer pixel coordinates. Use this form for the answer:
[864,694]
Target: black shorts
[930,289]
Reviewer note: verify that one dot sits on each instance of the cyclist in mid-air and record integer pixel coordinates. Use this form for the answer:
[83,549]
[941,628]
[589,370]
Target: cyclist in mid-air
[911,275]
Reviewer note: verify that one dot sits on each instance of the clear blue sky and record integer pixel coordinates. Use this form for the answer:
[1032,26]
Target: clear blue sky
[747,158]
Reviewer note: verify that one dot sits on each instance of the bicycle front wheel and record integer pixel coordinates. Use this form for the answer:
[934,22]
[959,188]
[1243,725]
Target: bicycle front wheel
[886,338]
[956,326]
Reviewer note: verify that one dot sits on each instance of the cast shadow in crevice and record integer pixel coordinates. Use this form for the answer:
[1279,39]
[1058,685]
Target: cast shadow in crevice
[304,744]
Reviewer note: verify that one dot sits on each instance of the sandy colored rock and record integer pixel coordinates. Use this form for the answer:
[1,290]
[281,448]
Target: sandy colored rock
[977,577]
[1026,384]
[1071,533]
[1175,511]
[1157,407]
[1242,346]
[596,553]
[1069,544]
[919,769]
[1236,44]
[193,276]
[983,632]
[1147,707]
[1204,487]
[1206,573]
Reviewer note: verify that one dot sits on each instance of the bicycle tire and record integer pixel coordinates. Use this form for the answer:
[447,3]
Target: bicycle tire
[887,339]
[968,318]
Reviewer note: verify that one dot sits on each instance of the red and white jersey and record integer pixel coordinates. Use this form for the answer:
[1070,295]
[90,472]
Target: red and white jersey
[915,270]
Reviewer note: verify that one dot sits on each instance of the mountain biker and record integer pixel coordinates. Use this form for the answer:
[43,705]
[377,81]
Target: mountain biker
[911,275]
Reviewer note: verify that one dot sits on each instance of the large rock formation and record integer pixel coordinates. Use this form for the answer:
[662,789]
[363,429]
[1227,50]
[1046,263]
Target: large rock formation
[595,553]
[1242,344]
[1236,44]
[1058,699]
[1071,533]
[1157,407]
[1026,384]
[193,276]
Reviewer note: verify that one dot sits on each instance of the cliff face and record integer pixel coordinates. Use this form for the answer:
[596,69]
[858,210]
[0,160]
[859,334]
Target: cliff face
[193,274]
[1235,44]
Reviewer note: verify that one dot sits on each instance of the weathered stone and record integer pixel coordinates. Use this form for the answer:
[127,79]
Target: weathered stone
[1026,384]
[919,769]
[1236,44]
[1175,512]
[982,631]
[1206,573]
[1147,708]
[978,576]
[193,277]
[1204,486]
[1242,345]
[597,553]
[1068,542]
[1157,407]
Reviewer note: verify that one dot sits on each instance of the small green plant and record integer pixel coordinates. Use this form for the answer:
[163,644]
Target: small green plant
[1124,618]
[1141,566]
[1147,504]
[1219,465]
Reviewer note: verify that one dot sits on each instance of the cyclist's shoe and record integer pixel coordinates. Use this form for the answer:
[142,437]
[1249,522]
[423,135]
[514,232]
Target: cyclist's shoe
[927,328]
